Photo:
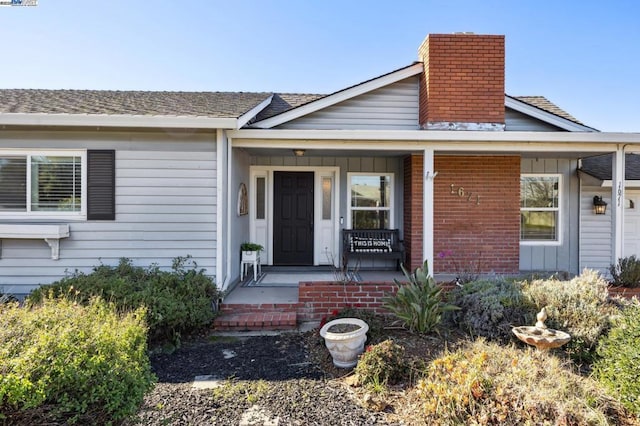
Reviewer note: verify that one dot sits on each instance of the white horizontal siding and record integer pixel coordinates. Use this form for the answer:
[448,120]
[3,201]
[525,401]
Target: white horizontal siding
[394,107]
[516,121]
[595,231]
[165,208]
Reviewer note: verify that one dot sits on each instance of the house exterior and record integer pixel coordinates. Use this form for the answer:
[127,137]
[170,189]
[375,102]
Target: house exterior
[469,176]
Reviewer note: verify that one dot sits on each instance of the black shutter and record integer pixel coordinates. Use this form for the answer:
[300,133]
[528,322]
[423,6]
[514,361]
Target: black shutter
[101,184]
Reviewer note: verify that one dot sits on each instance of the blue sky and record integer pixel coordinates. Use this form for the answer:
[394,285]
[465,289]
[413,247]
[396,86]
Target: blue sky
[582,55]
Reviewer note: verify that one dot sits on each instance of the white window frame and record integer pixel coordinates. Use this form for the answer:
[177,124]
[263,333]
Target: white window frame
[391,207]
[78,215]
[558,240]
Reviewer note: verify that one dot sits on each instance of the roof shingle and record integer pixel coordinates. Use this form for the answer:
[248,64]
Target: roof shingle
[198,104]
[600,166]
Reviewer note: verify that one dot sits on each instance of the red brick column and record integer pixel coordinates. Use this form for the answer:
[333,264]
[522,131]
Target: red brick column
[413,209]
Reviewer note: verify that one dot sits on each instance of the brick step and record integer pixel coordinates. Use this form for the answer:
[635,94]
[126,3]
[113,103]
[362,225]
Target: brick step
[255,321]
[228,308]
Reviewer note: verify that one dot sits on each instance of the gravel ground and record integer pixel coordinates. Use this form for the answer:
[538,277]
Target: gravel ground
[264,380]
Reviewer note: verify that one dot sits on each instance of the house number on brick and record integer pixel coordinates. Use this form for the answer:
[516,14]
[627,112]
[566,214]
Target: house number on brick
[461,193]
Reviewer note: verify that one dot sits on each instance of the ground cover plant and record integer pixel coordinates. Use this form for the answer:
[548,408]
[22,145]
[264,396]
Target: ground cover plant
[177,301]
[485,383]
[579,306]
[62,361]
[618,363]
[490,308]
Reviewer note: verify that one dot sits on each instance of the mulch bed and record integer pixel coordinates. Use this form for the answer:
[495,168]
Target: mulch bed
[278,377]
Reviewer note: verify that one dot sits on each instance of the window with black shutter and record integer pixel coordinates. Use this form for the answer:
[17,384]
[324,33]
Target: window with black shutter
[101,183]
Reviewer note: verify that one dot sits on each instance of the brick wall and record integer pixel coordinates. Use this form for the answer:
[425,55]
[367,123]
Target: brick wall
[413,201]
[463,79]
[319,299]
[485,234]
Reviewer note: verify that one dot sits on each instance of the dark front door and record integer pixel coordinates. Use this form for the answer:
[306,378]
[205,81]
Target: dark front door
[293,218]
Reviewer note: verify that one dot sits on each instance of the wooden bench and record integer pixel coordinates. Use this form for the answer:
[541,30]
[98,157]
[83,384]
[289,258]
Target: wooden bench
[376,243]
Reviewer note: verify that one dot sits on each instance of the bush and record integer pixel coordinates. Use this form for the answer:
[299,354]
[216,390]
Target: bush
[618,366]
[485,383]
[626,273]
[579,306]
[177,301]
[83,363]
[490,308]
[419,303]
[381,365]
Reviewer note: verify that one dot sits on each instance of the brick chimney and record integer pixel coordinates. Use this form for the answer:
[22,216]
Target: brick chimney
[463,83]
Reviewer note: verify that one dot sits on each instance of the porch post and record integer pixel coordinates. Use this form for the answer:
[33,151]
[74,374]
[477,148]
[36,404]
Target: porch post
[617,198]
[427,208]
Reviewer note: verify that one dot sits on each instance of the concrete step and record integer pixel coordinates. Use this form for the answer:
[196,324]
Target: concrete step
[255,321]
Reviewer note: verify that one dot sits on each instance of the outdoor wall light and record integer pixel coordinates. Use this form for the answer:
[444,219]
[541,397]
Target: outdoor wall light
[298,152]
[599,206]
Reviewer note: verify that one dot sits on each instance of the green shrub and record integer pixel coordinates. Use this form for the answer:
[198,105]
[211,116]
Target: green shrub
[84,363]
[381,365]
[489,384]
[626,273]
[579,306]
[618,366]
[177,301]
[419,304]
[490,308]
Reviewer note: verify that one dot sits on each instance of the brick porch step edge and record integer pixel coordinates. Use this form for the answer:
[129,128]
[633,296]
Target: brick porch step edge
[253,321]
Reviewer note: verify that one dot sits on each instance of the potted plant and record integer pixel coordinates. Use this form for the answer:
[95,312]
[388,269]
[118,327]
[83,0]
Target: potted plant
[344,338]
[250,251]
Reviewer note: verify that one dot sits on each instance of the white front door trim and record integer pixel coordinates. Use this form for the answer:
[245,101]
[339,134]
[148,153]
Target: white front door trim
[325,250]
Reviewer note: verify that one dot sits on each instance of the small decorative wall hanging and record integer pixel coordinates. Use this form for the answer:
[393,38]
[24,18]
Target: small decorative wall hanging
[243,200]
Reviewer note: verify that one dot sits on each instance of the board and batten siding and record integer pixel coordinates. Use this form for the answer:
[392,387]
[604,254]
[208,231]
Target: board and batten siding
[165,208]
[393,107]
[562,257]
[596,234]
[350,165]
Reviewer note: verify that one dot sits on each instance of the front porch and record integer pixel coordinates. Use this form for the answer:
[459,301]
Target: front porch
[284,306]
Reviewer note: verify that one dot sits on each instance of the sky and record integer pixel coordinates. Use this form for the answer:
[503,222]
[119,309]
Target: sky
[582,55]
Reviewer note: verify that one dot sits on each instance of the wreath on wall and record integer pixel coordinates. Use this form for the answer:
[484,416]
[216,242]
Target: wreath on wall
[243,200]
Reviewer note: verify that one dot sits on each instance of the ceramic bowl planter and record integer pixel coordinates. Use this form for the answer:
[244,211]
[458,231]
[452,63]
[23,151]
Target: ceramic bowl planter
[345,337]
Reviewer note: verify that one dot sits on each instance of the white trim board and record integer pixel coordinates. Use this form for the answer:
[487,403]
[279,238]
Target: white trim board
[319,173]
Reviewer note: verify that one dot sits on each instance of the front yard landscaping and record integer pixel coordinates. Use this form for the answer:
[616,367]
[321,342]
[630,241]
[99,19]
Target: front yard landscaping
[71,358]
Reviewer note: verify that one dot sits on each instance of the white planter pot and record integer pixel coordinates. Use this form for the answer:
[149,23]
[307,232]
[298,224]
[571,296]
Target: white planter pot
[249,256]
[345,347]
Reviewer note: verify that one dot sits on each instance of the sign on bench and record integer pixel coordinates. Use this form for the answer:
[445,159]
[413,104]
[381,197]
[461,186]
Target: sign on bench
[383,243]
[370,245]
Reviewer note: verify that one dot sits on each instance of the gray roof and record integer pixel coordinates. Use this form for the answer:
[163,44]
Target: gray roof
[198,104]
[283,102]
[191,104]
[600,166]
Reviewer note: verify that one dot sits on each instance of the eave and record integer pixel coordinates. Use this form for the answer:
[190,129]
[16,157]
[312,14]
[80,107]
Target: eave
[121,121]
